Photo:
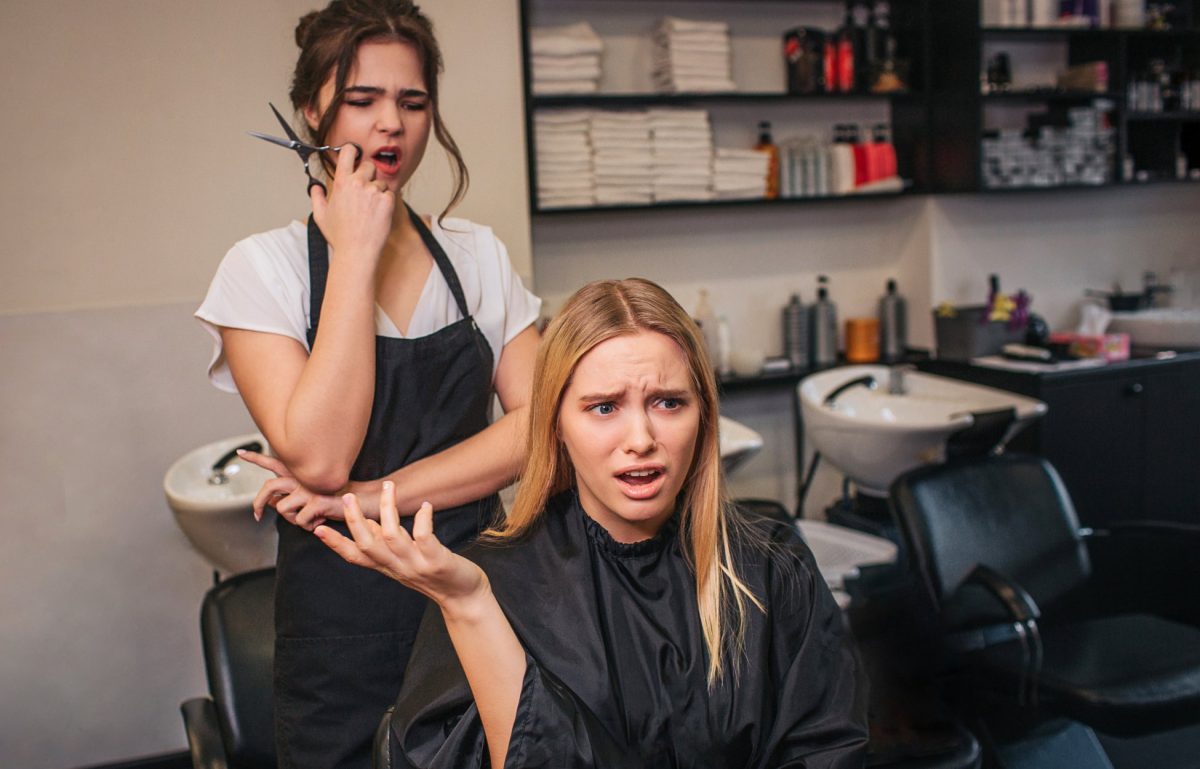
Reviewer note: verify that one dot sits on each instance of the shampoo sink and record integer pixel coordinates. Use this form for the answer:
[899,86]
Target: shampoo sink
[872,432]
[211,493]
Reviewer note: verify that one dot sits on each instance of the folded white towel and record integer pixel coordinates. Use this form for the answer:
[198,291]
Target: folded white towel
[619,118]
[668,194]
[565,40]
[675,115]
[567,201]
[738,152]
[623,196]
[561,116]
[581,72]
[538,61]
[676,24]
[557,87]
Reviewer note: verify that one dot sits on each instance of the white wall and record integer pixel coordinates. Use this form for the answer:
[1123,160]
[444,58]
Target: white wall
[129,175]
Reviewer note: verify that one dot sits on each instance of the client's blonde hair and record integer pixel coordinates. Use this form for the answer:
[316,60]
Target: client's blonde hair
[597,312]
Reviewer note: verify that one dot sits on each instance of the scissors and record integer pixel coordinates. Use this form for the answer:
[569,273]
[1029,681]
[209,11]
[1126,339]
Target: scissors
[305,151]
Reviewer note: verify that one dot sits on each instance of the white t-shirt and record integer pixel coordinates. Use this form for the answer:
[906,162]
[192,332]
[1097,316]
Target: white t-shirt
[262,285]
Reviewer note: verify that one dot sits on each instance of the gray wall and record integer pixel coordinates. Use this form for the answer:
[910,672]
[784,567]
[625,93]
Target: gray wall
[129,175]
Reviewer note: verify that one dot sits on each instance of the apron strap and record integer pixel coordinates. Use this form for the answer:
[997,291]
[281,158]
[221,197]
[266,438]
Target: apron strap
[318,270]
[442,261]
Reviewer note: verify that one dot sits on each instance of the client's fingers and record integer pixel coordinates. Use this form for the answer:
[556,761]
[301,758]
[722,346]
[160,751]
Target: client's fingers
[346,548]
[357,522]
[389,517]
[423,522]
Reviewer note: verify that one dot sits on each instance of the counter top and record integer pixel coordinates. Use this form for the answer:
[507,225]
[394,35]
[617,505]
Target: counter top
[1141,359]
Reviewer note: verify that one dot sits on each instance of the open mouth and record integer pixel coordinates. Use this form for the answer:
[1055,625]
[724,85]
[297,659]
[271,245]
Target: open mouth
[641,484]
[640,477]
[386,161]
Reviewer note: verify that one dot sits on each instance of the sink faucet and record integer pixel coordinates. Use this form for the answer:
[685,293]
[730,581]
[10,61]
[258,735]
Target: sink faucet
[867,381]
[896,377]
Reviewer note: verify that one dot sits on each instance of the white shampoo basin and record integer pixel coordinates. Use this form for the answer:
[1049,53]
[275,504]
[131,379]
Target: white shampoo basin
[872,436]
[216,516]
[738,443]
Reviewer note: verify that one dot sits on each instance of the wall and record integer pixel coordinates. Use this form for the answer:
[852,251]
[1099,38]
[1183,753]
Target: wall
[125,123]
[129,175]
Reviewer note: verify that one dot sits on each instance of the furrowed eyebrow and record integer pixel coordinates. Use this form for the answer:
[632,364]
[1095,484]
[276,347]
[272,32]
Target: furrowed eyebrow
[405,93]
[601,397]
[676,394]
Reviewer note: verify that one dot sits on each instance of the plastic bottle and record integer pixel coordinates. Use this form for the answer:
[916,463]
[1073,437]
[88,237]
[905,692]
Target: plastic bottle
[767,144]
[724,347]
[844,64]
[841,162]
[823,326]
[795,332]
[893,324]
[883,153]
[706,319]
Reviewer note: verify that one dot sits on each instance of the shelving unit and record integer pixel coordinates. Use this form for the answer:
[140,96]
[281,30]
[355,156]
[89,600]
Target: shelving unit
[735,115]
[1146,145]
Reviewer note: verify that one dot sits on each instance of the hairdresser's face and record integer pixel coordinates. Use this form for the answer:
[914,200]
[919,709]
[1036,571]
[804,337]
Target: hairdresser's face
[385,110]
[629,420]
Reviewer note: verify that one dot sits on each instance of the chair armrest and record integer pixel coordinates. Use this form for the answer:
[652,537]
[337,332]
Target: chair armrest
[1023,628]
[1020,604]
[981,633]
[1155,528]
[203,734]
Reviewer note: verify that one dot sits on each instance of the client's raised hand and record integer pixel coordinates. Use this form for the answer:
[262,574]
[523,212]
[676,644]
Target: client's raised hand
[419,561]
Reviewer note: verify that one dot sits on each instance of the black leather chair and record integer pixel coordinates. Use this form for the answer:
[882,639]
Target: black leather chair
[999,554]
[908,729]
[233,727]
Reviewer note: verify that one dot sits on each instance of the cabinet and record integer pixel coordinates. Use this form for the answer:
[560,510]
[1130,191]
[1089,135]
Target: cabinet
[756,32]
[1125,438]
[979,144]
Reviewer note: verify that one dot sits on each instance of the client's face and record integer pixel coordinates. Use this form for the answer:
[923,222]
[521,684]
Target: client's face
[629,420]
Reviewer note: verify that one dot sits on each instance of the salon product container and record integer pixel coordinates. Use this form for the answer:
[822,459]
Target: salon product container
[795,332]
[822,323]
[862,340]
[893,324]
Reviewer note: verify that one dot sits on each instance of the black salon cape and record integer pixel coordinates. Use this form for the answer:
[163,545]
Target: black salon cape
[616,664]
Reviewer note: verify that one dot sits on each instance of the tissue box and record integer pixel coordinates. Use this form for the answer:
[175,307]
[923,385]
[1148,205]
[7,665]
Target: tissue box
[1110,347]
[964,336]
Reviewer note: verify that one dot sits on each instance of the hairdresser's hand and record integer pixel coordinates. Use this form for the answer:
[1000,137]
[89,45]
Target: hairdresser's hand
[419,561]
[294,502]
[356,215]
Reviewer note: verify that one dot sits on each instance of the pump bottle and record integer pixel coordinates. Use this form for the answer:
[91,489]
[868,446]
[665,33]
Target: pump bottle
[893,324]
[823,326]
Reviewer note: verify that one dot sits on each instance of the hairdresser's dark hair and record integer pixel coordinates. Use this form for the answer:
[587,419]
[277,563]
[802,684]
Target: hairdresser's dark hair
[329,41]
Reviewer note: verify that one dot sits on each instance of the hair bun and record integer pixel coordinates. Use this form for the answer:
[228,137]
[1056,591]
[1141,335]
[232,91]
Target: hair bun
[304,26]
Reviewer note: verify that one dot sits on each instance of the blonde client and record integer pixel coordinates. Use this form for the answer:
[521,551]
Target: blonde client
[625,613]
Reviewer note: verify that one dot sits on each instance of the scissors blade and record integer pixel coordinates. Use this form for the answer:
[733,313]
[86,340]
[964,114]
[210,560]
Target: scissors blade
[287,127]
[288,143]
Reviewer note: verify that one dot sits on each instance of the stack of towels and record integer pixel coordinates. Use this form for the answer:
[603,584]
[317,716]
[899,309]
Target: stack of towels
[564,158]
[565,60]
[622,157]
[740,173]
[682,149]
[692,56]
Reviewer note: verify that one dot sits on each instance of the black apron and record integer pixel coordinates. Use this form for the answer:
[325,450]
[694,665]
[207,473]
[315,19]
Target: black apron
[344,633]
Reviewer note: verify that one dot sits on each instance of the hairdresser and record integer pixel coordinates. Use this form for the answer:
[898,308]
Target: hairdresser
[367,344]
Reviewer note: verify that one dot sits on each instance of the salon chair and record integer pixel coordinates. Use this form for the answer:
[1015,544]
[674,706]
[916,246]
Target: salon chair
[233,727]
[998,554]
[909,728]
